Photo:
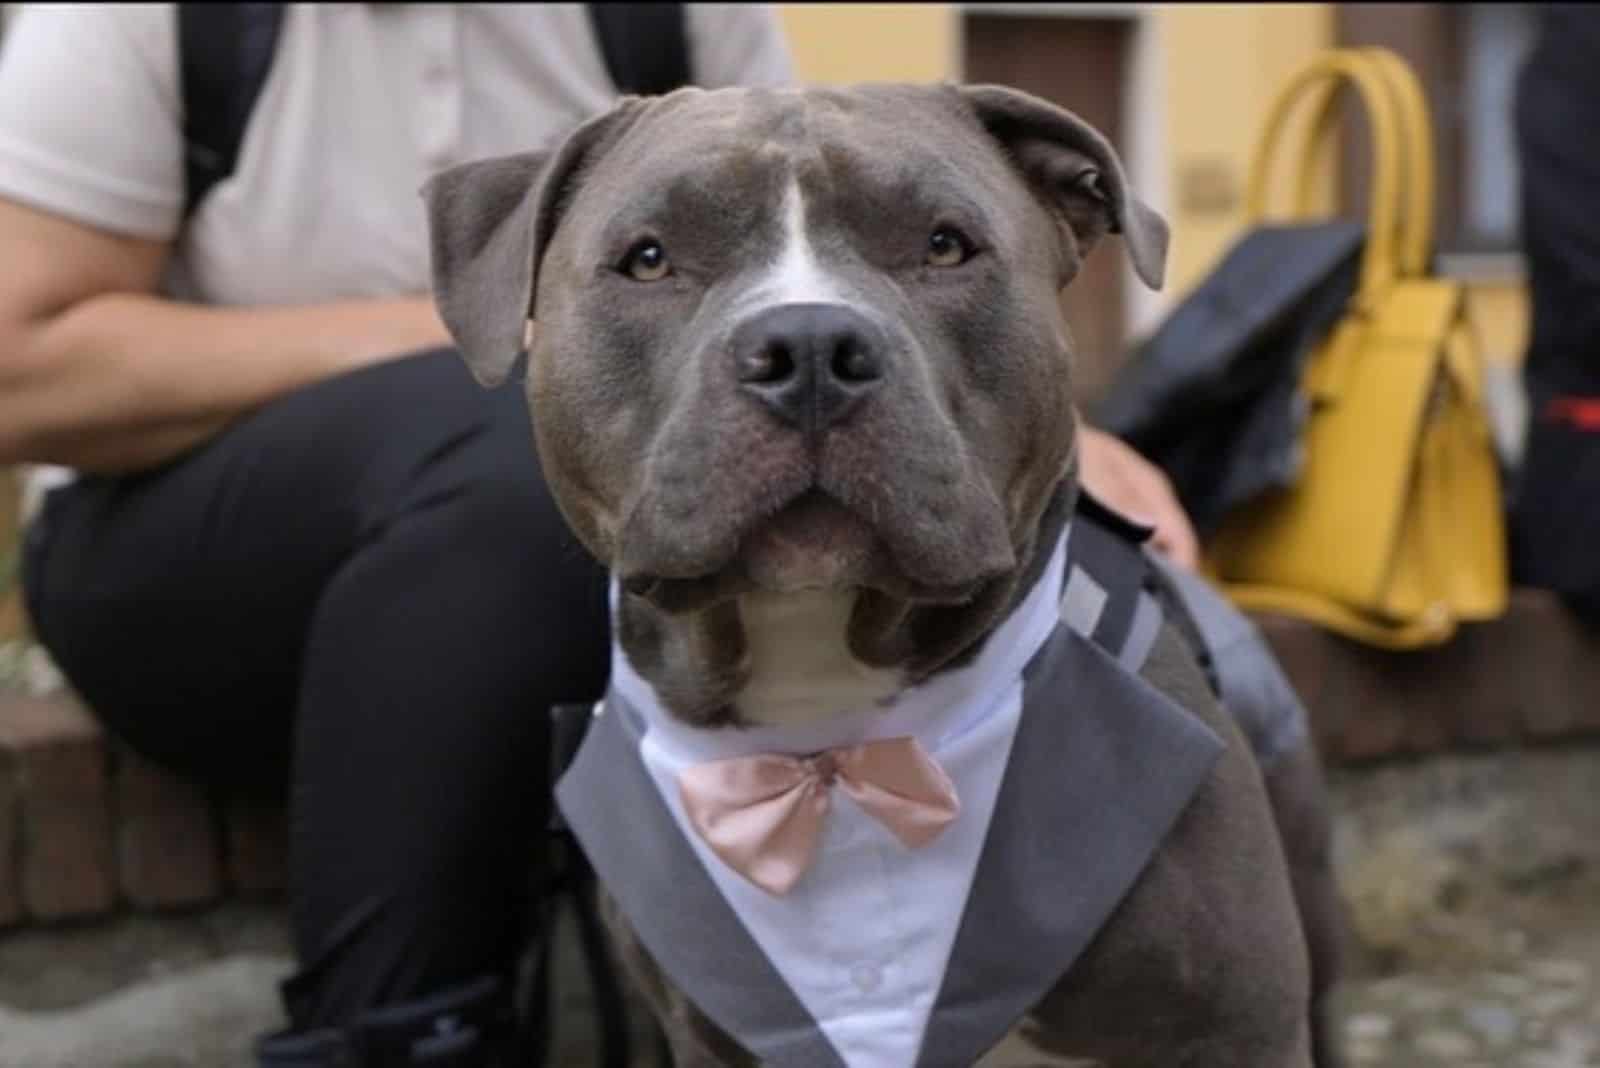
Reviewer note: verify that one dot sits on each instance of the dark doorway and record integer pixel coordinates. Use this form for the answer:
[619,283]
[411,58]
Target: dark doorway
[1081,64]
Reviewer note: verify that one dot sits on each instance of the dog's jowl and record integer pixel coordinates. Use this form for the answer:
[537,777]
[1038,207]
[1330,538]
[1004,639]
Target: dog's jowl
[910,756]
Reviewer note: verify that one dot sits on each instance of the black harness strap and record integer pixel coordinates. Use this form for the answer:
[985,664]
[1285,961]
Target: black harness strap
[224,55]
[646,46]
[1115,566]
[1107,547]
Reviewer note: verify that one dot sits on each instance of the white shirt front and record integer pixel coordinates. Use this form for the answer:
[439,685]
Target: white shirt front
[864,938]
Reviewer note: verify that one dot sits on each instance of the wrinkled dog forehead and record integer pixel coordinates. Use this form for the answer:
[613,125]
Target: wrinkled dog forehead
[796,197]
[870,162]
[868,129]
[711,155]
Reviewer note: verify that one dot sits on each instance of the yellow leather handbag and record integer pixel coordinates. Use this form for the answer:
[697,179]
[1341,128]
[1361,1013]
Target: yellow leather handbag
[1393,532]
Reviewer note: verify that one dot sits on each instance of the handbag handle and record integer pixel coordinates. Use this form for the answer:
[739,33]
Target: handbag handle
[1324,74]
[1416,143]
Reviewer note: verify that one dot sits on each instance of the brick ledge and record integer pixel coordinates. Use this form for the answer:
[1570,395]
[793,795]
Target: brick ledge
[86,826]
[1532,675]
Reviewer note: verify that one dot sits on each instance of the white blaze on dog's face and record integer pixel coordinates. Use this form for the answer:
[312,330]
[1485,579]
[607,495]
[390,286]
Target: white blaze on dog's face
[797,276]
[799,377]
[801,667]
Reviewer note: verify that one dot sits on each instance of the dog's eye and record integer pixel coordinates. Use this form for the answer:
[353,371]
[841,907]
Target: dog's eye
[948,247]
[647,261]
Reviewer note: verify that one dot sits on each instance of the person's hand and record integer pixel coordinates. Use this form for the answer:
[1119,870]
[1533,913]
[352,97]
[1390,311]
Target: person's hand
[1119,476]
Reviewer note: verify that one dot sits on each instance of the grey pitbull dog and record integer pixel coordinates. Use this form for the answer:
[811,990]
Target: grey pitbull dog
[800,378]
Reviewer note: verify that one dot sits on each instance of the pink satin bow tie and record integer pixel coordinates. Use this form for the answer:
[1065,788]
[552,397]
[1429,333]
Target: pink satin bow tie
[763,814]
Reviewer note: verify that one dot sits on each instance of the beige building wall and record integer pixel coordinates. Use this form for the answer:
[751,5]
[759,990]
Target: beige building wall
[1223,63]
[1203,76]
[843,43]
[1191,117]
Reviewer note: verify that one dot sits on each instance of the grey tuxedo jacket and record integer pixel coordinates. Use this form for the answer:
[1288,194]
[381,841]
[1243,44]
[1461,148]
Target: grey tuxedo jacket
[1102,766]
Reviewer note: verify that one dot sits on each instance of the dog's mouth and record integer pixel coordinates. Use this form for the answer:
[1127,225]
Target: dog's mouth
[813,542]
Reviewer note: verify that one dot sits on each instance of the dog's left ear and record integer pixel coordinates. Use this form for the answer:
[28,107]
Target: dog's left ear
[1076,172]
[489,223]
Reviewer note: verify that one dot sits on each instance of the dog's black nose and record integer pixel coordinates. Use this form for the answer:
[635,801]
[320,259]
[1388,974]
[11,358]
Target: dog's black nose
[809,363]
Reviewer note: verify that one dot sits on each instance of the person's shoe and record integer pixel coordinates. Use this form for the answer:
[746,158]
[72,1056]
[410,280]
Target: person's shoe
[315,1049]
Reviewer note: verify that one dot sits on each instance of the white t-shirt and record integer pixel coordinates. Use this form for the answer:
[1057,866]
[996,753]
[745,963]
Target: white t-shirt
[363,103]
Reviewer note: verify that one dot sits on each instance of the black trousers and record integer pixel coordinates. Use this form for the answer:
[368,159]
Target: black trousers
[1555,519]
[362,592]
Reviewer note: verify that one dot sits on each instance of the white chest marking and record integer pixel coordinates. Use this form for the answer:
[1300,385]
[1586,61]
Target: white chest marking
[801,669]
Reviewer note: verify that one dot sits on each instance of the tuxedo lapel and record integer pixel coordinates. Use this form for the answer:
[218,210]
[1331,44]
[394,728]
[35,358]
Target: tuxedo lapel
[635,845]
[1102,766]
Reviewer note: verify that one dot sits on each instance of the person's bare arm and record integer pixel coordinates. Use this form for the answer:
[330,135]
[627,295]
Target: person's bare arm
[98,373]
[1114,472]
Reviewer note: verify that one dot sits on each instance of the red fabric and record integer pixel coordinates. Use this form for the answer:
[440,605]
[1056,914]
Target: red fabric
[1581,413]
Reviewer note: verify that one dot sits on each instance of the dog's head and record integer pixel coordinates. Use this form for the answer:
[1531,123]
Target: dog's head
[794,340]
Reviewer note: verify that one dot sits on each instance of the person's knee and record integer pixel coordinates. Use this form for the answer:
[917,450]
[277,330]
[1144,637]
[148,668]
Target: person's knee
[485,510]
[364,440]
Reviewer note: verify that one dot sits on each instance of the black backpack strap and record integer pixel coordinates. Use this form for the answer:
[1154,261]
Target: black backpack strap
[224,54]
[646,46]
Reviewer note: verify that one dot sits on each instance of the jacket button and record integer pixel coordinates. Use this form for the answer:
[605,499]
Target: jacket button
[866,977]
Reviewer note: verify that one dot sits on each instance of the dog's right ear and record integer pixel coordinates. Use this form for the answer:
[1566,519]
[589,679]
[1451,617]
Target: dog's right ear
[1076,174]
[489,223]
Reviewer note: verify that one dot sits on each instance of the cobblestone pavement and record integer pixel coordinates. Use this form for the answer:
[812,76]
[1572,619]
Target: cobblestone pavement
[1545,1014]
[1512,982]
[190,992]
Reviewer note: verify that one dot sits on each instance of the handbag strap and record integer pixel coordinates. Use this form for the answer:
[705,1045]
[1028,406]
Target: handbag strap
[1416,134]
[1322,75]
[1416,152]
